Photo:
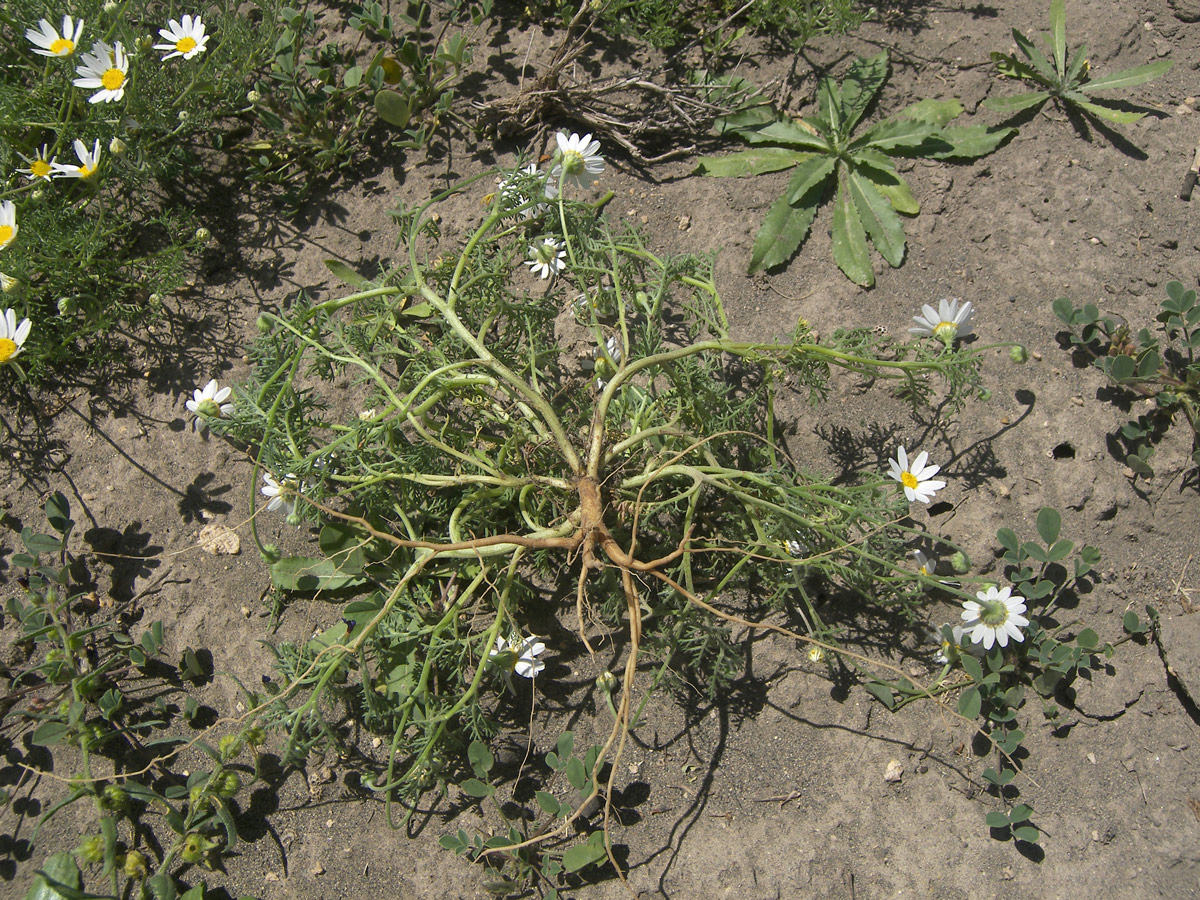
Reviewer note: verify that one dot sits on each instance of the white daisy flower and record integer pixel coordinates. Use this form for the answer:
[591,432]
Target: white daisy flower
[88,162]
[607,360]
[547,258]
[184,38]
[106,70]
[39,166]
[579,158]
[994,617]
[8,223]
[513,189]
[947,322]
[49,42]
[521,657]
[915,478]
[952,648]
[12,335]
[926,565]
[209,403]
[281,495]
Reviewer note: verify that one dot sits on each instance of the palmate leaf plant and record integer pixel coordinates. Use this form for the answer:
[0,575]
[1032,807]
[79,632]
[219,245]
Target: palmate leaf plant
[832,157]
[1161,367]
[1066,80]
[486,455]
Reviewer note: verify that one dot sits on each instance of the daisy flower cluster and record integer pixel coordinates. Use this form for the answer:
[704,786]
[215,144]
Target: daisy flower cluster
[994,617]
[576,162]
[104,70]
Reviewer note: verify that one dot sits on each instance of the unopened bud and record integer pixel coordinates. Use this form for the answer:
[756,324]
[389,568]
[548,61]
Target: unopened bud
[135,865]
[9,285]
[1018,354]
[67,306]
[606,681]
[960,562]
[116,146]
[253,97]
[203,235]
[263,324]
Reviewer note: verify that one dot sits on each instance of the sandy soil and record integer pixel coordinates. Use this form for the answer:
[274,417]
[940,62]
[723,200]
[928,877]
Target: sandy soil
[779,790]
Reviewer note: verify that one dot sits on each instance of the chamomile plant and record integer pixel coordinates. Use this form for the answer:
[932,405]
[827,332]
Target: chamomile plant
[99,126]
[501,465]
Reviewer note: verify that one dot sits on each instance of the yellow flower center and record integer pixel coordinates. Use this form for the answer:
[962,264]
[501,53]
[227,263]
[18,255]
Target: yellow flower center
[112,79]
[6,234]
[908,479]
[7,349]
[62,47]
[39,168]
[86,171]
[185,45]
[573,162]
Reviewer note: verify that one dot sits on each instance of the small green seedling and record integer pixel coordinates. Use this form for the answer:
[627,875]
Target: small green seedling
[1068,82]
[826,152]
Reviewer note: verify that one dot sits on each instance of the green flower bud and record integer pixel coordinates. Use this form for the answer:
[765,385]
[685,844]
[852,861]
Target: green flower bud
[91,851]
[230,747]
[195,846]
[606,681]
[960,562]
[263,324]
[67,306]
[253,97]
[271,554]
[203,235]
[9,285]
[113,799]
[227,784]
[255,736]
[116,146]
[1018,354]
[135,865]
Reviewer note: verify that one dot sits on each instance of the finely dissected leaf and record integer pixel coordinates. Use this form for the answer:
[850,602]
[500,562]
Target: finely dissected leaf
[807,176]
[783,231]
[971,141]
[1120,116]
[860,87]
[1017,102]
[878,218]
[790,132]
[1058,35]
[755,161]
[932,112]
[1127,78]
[895,134]
[850,241]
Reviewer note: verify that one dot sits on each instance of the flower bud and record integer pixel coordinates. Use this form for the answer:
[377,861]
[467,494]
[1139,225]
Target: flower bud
[960,562]
[110,7]
[606,681]
[203,235]
[230,747]
[91,850]
[1018,354]
[9,285]
[67,306]
[135,865]
[253,97]
[117,146]
[271,554]
[262,324]
[113,799]
[816,654]
[195,846]
[227,784]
